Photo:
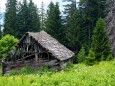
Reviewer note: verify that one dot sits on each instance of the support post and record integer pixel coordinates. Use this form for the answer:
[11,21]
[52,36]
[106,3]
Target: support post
[23,60]
[48,55]
[36,54]
[3,68]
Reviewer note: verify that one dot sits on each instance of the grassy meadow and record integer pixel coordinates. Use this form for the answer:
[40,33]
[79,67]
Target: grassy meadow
[102,74]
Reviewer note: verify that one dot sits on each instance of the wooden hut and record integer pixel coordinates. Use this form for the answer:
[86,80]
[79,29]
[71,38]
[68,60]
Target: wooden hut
[36,49]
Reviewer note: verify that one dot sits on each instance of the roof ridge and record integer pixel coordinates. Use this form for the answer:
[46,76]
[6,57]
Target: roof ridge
[57,49]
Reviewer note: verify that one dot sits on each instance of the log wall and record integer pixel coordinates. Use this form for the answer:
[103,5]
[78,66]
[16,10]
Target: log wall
[31,53]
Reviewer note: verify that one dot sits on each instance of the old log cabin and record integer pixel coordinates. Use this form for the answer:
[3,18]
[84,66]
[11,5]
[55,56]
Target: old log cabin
[36,49]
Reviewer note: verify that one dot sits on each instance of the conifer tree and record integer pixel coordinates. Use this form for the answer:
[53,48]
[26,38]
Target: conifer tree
[90,11]
[0,32]
[50,19]
[59,31]
[22,18]
[81,55]
[72,26]
[10,17]
[33,18]
[42,16]
[0,26]
[27,18]
[100,41]
[53,22]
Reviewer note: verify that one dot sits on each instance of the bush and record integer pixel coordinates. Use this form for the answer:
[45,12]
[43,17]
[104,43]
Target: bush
[23,71]
[7,43]
[30,70]
[110,57]
[90,59]
[102,74]
[69,67]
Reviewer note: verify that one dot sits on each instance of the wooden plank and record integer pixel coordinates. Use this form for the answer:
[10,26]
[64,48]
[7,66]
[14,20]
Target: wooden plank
[3,68]
[36,55]
[29,56]
[51,63]
[23,59]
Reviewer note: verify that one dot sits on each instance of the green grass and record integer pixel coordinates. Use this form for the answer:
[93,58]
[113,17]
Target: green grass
[102,74]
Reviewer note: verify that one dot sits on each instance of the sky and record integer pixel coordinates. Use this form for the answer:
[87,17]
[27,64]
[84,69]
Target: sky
[37,2]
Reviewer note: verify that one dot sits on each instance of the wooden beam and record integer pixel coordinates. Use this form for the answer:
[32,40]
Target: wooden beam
[23,59]
[29,56]
[48,55]
[30,52]
[3,68]
[36,55]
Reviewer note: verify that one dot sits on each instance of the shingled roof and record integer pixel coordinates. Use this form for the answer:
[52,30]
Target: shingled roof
[58,50]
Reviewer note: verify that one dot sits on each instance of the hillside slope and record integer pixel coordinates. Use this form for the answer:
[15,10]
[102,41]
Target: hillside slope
[102,74]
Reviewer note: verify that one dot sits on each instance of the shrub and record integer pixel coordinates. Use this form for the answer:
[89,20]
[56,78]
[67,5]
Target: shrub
[7,43]
[90,59]
[23,71]
[30,70]
[110,57]
[69,67]
[102,74]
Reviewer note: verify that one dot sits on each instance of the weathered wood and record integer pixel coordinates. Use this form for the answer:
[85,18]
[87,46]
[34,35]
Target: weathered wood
[29,56]
[23,59]
[36,55]
[31,52]
[51,63]
[48,55]
[3,68]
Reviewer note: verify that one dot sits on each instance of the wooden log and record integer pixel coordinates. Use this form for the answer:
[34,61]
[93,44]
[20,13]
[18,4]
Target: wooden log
[23,59]
[29,52]
[29,56]
[34,52]
[51,63]
[36,55]
[48,55]
[3,68]
[15,58]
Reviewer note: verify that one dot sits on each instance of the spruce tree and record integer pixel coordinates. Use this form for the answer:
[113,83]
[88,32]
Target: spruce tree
[81,57]
[10,17]
[59,31]
[0,32]
[53,22]
[27,18]
[50,19]
[100,42]
[33,18]
[90,11]
[42,16]
[72,26]
[22,18]
[0,26]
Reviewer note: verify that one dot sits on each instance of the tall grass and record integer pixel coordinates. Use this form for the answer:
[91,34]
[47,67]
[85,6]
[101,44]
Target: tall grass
[29,70]
[102,74]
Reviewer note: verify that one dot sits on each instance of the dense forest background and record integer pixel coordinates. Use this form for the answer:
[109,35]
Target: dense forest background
[81,26]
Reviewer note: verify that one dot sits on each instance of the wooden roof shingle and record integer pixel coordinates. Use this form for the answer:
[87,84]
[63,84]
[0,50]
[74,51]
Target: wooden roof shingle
[58,50]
